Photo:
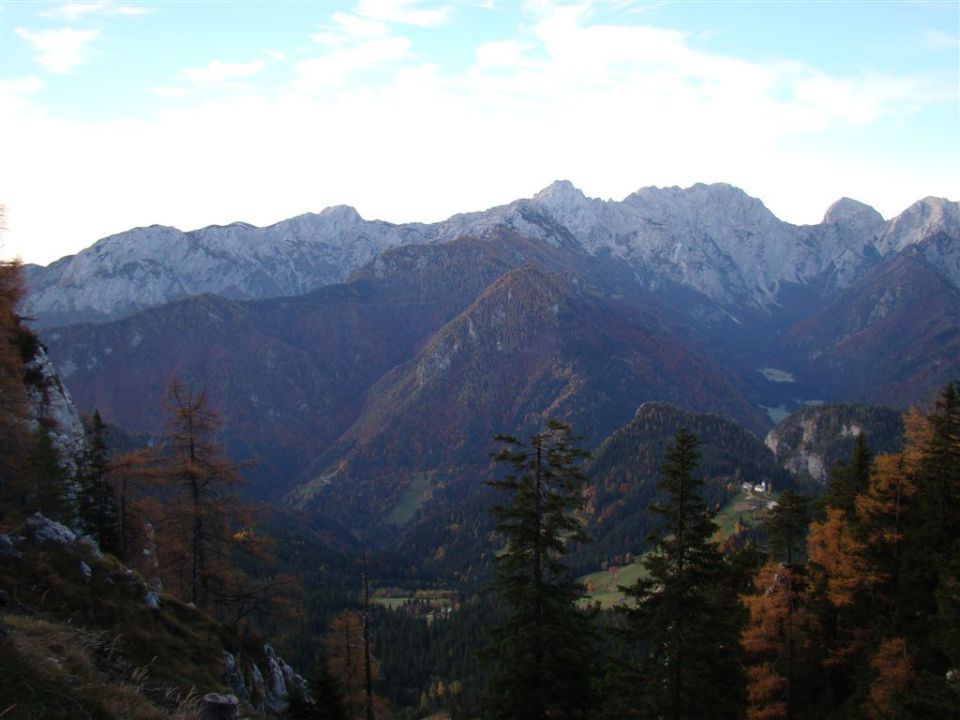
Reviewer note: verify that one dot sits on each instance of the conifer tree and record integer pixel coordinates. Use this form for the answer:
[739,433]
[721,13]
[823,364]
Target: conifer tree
[787,527]
[97,502]
[203,512]
[847,480]
[779,627]
[347,654]
[48,479]
[928,603]
[685,615]
[543,651]
[323,699]
[776,641]
[843,579]
[129,473]
[15,439]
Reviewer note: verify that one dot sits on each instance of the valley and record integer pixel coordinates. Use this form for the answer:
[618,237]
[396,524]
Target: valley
[403,366]
[363,369]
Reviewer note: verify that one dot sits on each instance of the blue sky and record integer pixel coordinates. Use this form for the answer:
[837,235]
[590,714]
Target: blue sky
[125,113]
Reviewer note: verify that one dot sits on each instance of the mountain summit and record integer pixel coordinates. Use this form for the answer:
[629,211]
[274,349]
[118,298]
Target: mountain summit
[846,211]
[713,239]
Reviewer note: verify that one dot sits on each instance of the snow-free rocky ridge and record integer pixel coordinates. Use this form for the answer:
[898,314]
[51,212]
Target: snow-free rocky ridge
[715,239]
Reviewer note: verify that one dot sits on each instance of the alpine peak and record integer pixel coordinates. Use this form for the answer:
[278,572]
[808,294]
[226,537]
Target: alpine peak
[846,210]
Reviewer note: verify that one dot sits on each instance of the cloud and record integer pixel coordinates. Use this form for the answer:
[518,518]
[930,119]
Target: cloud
[348,28]
[652,73]
[221,74]
[637,8]
[363,40]
[610,105]
[357,26]
[214,75]
[940,40]
[372,19]
[172,91]
[405,12]
[866,98]
[499,53]
[62,49]
[333,68]
[71,12]
[20,87]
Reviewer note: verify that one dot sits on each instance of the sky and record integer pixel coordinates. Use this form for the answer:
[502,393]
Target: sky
[118,114]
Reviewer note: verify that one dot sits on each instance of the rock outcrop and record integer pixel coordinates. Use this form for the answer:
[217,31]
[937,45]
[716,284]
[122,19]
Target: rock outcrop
[715,239]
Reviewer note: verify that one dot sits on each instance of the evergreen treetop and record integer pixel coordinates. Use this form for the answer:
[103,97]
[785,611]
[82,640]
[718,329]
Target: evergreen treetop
[684,611]
[543,651]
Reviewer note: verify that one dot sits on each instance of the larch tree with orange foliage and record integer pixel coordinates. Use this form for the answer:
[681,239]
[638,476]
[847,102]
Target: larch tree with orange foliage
[776,642]
[927,600]
[203,516]
[346,648]
[779,626]
[15,438]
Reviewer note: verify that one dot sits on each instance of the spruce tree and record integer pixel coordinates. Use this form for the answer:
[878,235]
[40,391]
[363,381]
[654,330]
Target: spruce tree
[98,502]
[323,699]
[543,652]
[929,598]
[787,527]
[48,479]
[847,480]
[683,612]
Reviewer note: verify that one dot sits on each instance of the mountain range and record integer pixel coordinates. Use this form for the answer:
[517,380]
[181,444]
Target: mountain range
[368,365]
[714,239]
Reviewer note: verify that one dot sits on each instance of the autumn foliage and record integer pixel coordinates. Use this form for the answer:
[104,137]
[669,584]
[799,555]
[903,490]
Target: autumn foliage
[877,614]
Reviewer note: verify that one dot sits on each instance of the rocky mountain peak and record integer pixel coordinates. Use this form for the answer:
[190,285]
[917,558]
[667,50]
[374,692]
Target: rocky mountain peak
[713,238]
[559,194]
[921,220]
[719,200]
[341,213]
[847,211]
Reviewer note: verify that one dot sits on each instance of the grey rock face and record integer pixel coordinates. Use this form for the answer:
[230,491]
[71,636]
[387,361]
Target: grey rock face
[281,681]
[270,693]
[853,213]
[7,548]
[922,219]
[931,227]
[220,707]
[51,401]
[144,267]
[234,677]
[713,238]
[43,530]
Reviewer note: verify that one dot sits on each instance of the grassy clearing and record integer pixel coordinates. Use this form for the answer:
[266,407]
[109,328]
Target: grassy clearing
[178,646]
[745,507]
[392,603]
[52,670]
[417,493]
[603,585]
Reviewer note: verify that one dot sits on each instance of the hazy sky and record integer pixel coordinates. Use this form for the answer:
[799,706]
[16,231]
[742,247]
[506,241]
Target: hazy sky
[119,114]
